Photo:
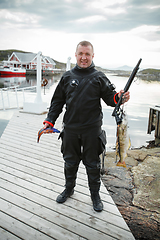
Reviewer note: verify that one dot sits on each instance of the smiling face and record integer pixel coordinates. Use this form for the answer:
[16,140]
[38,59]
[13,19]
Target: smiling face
[84,56]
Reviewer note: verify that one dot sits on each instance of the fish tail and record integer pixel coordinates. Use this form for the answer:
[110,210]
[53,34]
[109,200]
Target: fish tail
[121,164]
[39,134]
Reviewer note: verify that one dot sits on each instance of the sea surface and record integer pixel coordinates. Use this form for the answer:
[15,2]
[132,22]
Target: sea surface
[144,95]
[26,81]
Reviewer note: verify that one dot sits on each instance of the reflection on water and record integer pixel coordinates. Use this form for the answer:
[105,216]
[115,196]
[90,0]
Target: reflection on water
[26,81]
[144,95]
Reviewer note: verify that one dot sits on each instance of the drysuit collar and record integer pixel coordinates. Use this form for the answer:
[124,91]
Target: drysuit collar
[87,70]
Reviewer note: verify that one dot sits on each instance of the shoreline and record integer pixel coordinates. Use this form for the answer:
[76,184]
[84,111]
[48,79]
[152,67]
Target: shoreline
[147,75]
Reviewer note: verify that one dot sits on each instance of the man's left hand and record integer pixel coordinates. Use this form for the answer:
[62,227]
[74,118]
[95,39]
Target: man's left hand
[126,96]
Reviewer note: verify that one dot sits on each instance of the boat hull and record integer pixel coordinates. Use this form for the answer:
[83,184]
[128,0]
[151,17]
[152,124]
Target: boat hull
[12,72]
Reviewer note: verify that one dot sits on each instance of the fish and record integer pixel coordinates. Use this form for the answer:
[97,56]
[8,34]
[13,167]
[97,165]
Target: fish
[123,142]
[46,130]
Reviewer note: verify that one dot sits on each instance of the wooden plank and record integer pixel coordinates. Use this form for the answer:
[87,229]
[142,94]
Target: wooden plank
[154,122]
[56,217]
[151,127]
[37,169]
[84,202]
[31,178]
[48,214]
[52,144]
[157,125]
[21,229]
[108,217]
[51,169]
[57,170]
[32,154]
[57,166]
[6,235]
[24,160]
[29,132]
[25,223]
[52,183]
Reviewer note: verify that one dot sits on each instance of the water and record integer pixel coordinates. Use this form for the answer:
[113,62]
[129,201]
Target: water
[144,95]
[27,81]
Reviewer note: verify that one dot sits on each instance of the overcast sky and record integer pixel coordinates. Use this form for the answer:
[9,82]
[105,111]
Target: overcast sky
[121,31]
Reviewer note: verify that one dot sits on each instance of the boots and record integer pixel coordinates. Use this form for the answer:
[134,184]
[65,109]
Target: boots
[94,186]
[97,203]
[70,177]
[64,195]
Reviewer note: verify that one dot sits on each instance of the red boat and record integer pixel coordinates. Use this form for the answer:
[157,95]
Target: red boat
[11,71]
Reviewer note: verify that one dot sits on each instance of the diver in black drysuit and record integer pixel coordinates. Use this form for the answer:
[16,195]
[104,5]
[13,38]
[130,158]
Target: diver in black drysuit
[81,90]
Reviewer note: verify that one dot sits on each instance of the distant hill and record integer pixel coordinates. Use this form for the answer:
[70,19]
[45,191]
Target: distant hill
[150,71]
[150,74]
[124,68]
[4,54]
[60,65]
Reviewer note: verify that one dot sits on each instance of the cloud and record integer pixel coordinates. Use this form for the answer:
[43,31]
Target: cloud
[120,30]
[81,16]
[18,19]
[151,33]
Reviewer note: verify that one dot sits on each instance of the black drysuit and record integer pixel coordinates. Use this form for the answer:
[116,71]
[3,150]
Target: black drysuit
[81,90]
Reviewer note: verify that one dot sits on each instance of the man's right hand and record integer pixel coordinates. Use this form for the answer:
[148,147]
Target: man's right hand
[46,125]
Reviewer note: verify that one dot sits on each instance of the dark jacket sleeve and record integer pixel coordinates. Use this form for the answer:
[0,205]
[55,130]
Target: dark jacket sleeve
[108,93]
[57,103]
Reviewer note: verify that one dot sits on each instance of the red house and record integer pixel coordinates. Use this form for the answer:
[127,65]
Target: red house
[29,61]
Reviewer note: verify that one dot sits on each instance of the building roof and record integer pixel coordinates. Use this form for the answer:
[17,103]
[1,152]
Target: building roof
[29,57]
[49,59]
[24,57]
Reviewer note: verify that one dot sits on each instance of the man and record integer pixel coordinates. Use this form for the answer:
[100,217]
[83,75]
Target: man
[82,137]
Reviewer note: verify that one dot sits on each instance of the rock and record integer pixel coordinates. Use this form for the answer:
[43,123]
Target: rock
[119,183]
[121,177]
[141,223]
[135,190]
[147,179]
[130,162]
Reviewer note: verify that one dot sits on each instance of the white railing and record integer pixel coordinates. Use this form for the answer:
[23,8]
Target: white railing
[13,97]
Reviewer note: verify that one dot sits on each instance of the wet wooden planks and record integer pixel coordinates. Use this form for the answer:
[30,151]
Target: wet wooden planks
[31,177]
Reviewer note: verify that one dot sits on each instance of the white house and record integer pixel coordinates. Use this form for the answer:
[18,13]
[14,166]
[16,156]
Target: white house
[28,61]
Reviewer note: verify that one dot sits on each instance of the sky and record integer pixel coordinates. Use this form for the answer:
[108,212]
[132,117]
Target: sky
[121,31]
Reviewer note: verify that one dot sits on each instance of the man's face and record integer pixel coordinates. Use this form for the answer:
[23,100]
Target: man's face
[84,56]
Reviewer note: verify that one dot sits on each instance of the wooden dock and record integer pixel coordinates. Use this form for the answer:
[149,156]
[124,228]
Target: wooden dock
[154,122]
[31,177]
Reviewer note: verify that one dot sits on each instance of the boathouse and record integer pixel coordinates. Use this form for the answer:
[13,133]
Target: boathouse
[29,61]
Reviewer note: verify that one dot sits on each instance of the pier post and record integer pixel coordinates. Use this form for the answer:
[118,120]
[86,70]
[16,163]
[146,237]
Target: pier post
[38,106]
[38,98]
[2,99]
[68,67]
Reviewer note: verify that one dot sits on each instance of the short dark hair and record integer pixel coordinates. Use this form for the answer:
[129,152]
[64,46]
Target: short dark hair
[85,43]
